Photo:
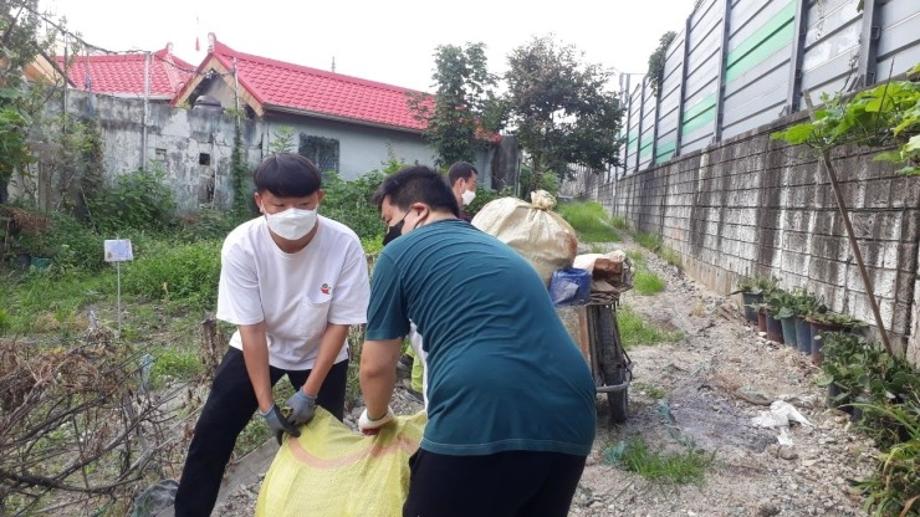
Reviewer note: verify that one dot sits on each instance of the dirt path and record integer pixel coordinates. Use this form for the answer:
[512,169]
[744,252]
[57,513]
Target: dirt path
[714,380]
[719,376]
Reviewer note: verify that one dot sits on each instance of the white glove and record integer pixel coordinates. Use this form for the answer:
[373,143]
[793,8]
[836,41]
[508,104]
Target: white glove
[368,426]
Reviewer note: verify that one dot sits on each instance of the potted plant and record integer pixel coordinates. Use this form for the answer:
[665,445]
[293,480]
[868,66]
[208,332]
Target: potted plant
[804,304]
[752,291]
[827,322]
[845,369]
[774,301]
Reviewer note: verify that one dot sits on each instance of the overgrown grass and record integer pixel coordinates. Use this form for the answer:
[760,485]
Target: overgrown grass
[185,272]
[671,257]
[637,257]
[619,223]
[635,330]
[647,283]
[590,220]
[175,363]
[43,302]
[649,241]
[688,466]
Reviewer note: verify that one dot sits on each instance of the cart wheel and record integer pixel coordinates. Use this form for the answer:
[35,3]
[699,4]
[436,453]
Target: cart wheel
[619,401]
[613,362]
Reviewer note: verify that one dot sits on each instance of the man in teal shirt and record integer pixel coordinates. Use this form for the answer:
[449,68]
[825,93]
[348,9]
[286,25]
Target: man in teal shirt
[511,412]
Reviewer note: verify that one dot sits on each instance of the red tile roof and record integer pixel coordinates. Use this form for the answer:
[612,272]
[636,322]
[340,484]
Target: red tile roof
[276,84]
[124,73]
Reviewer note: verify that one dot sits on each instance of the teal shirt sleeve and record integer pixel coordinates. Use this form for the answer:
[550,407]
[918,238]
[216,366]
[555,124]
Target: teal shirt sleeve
[387,317]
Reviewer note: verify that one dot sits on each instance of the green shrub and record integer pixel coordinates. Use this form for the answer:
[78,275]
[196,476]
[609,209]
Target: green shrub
[138,200]
[68,242]
[485,196]
[590,220]
[349,202]
[208,224]
[185,272]
[647,283]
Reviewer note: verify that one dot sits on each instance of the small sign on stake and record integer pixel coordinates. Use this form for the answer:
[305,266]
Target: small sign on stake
[118,251]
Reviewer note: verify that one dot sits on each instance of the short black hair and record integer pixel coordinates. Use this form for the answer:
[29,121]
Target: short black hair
[461,170]
[417,184]
[287,175]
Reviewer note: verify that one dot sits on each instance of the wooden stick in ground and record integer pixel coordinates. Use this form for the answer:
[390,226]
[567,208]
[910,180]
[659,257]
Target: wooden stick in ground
[851,235]
[867,282]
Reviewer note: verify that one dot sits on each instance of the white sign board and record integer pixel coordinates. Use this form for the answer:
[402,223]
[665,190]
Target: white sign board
[118,250]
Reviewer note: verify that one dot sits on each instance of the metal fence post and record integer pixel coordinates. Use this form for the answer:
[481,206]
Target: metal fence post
[641,117]
[679,137]
[868,42]
[655,126]
[628,122]
[794,94]
[723,57]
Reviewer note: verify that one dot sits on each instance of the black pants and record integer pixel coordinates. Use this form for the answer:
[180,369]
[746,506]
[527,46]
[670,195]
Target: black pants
[229,408]
[506,484]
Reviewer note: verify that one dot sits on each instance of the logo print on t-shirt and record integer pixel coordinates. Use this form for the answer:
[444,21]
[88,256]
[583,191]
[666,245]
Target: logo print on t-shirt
[325,289]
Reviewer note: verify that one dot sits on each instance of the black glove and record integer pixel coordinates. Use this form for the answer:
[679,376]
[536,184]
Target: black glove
[278,423]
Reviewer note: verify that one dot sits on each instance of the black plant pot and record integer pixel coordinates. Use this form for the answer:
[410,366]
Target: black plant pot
[750,313]
[774,329]
[803,335]
[789,336]
[834,399]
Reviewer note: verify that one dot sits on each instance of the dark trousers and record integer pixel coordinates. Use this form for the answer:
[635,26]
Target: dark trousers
[506,484]
[229,408]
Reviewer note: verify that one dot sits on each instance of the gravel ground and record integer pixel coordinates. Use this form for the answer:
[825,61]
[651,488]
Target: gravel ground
[718,377]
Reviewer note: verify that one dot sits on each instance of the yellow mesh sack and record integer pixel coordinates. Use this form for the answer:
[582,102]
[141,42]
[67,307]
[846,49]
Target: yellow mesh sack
[332,470]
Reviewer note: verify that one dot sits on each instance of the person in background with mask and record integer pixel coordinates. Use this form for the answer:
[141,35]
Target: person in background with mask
[462,177]
[292,282]
[511,401]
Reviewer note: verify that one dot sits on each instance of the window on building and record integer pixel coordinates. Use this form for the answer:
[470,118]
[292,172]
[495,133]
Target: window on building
[324,152]
[204,159]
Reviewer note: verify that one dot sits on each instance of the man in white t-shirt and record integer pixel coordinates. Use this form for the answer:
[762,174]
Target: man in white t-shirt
[292,282]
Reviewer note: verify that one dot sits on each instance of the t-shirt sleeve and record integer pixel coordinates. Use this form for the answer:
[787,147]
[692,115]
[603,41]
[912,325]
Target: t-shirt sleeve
[351,292]
[238,299]
[386,314]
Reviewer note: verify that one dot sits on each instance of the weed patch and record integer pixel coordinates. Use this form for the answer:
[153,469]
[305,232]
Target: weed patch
[679,468]
[647,283]
[654,392]
[619,223]
[590,220]
[649,241]
[634,330]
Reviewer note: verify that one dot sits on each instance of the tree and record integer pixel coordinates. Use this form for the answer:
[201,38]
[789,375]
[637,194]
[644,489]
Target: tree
[562,109]
[464,107]
[20,44]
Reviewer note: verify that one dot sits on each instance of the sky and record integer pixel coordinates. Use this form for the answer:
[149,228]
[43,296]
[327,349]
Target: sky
[386,41]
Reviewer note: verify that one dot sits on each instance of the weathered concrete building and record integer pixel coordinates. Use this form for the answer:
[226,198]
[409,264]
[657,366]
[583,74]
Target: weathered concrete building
[182,119]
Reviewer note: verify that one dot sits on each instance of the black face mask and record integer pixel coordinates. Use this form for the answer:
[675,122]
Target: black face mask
[394,232]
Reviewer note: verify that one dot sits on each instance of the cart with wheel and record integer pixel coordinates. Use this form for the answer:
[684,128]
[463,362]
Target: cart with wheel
[610,365]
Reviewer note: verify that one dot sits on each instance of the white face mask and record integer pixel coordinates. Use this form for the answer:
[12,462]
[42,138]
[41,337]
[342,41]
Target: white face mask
[292,224]
[468,196]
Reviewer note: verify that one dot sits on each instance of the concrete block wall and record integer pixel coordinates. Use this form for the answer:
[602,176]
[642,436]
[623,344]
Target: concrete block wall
[754,205]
